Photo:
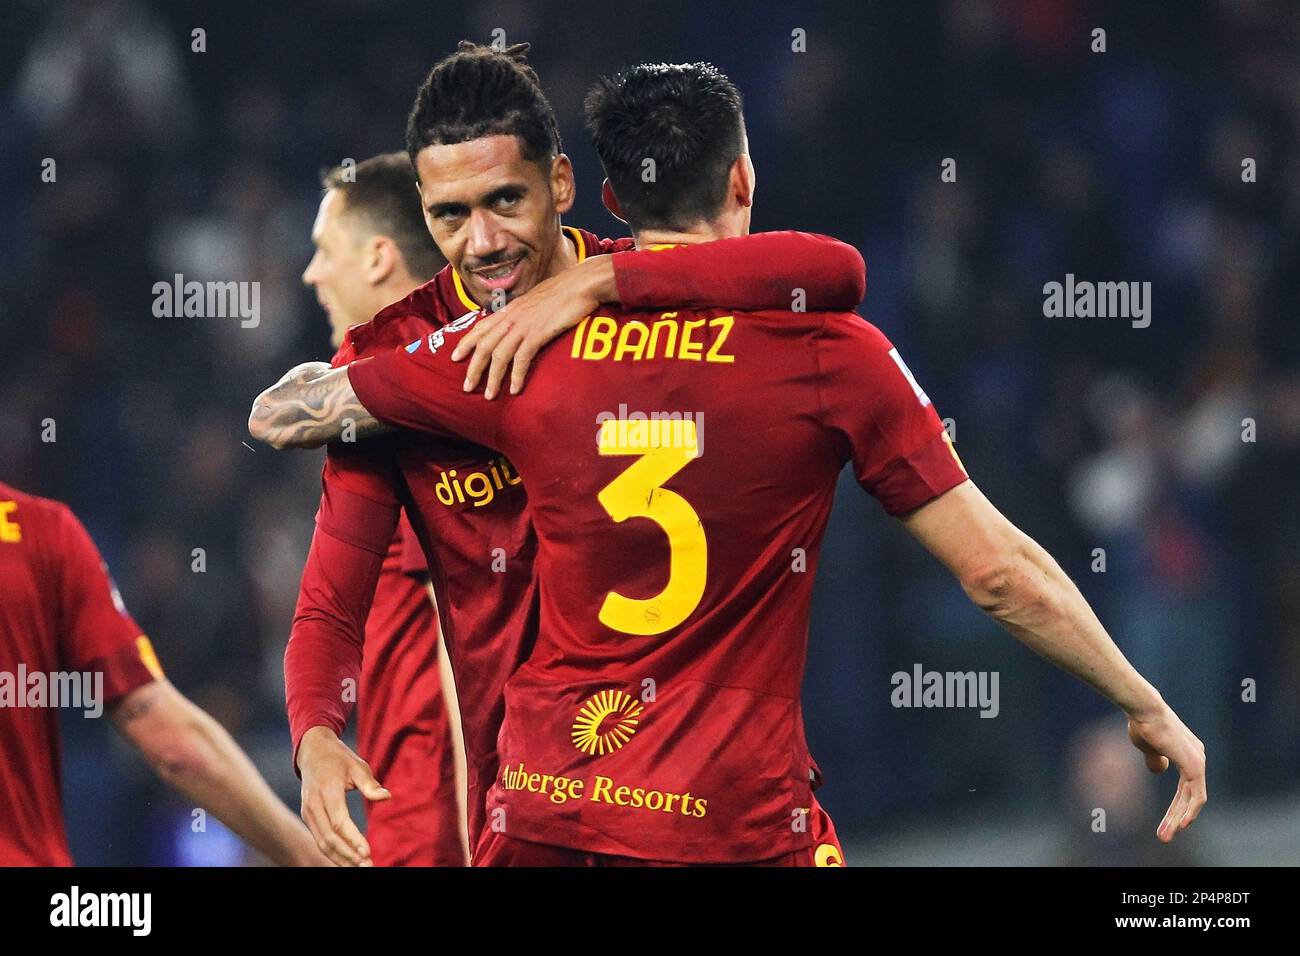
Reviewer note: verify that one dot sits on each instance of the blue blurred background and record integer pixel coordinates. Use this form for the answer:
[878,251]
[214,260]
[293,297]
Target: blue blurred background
[1125,165]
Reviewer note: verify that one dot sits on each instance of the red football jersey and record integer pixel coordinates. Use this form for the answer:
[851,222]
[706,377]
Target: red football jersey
[681,468]
[467,505]
[61,621]
[403,730]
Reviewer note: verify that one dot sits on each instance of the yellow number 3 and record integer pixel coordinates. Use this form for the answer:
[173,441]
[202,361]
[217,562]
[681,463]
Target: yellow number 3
[638,493]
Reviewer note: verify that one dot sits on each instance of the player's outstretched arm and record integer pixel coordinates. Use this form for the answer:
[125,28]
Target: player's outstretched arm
[772,270]
[312,405]
[194,754]
[1012,579]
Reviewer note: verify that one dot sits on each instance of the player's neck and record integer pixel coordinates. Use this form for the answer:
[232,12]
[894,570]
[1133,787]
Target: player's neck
[394,290]
[705,232]
[564,256]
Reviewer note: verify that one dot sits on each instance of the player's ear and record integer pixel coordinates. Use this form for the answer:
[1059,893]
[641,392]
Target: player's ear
[611,201]
[742,180]
[563,190]
[381,259]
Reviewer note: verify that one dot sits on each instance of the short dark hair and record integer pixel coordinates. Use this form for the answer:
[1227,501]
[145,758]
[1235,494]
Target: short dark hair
[479,91]
[688,118]
[382,192]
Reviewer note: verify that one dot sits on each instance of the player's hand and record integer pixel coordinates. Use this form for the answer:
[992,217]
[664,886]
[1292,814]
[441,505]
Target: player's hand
[1163,739]
[512,337]
[329,769]
[311,856]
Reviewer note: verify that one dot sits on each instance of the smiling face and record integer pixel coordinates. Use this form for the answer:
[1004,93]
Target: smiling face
[494,214]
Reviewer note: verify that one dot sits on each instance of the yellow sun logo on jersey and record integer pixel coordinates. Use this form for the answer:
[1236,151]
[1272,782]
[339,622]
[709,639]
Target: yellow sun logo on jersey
[606,721]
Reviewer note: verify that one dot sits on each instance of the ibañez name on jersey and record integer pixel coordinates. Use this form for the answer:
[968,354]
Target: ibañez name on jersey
[600,338]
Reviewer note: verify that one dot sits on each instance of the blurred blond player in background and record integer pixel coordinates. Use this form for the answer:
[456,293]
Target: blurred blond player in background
[372,249]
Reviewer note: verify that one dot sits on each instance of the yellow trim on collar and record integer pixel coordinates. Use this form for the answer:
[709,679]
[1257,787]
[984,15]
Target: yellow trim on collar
[465,300]
[577,241]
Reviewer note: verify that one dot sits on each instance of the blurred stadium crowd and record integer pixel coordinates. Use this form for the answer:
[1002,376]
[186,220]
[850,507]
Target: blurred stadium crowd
[1090,434]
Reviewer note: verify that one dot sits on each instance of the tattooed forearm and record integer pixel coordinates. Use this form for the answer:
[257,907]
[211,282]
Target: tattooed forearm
[311,406]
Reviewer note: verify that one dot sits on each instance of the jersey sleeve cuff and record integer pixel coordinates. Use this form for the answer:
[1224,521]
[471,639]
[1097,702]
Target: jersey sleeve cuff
[130,666]
[911,480]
